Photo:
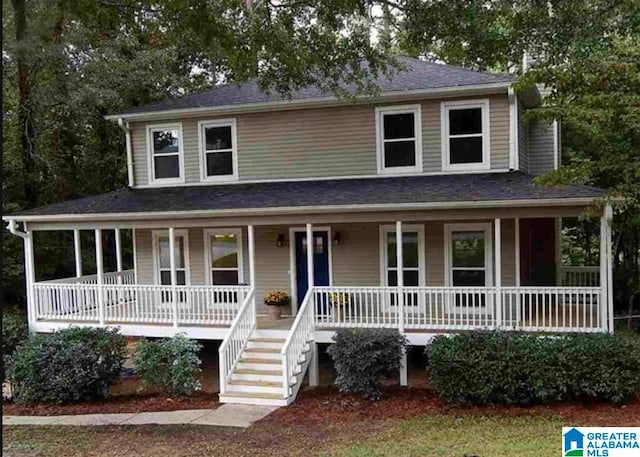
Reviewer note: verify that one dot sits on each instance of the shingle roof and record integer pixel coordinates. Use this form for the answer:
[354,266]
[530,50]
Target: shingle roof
[418,75]
[481,187]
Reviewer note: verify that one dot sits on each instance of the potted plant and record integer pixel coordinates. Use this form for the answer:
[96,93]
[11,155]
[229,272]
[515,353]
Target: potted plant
[275,300]
[338,301]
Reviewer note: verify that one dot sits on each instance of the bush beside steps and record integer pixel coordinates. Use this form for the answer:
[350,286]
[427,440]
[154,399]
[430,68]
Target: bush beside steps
[518,369]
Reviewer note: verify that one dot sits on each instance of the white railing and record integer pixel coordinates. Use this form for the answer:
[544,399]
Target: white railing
[131,303]
[127,277]
[551,309]
[234,344]
[574,276]
[297,343]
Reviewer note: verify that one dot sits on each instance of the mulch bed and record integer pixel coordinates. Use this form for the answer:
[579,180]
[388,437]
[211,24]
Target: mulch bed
[328,404]
[118,404]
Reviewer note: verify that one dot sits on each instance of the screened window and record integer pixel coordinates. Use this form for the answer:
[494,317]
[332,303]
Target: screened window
[165,148]
[465,135]
[217,142]
[399,139]
[225,257]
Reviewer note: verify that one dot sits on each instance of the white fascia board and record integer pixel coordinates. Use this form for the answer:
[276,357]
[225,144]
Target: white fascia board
[550,202]
[478,89]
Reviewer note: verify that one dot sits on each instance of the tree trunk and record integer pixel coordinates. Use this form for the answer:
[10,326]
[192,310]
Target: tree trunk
[25,122]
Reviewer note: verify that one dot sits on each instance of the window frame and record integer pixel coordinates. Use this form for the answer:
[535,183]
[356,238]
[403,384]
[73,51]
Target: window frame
[202,149]
[445,108]
[155,246]
[384,261]
[486,228]
[150,129]
[380,112]
[207,233]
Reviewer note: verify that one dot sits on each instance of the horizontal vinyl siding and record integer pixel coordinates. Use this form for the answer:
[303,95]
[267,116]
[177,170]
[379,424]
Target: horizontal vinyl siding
[541,143]
[144,257]
[272,263]
[523,142]
[323,142]
[356,260]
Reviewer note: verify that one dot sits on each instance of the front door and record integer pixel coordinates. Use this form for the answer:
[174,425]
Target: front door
[320,262]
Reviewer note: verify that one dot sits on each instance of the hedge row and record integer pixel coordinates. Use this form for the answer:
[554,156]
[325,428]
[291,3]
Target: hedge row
[513,368]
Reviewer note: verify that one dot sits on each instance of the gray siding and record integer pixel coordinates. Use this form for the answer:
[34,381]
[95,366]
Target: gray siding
[541,144]
[523,141]
[324,142]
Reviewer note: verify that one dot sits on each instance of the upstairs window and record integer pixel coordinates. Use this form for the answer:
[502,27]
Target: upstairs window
[398,131]
[218,150]
[165,154]
[465,135]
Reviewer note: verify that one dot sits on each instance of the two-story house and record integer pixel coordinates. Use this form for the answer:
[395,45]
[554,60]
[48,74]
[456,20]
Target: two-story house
[420,204]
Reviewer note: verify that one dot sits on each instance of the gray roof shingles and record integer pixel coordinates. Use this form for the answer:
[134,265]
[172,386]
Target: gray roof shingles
[511,186]
[418,75]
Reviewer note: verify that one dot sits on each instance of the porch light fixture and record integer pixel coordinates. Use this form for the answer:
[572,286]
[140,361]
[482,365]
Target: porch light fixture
[280,240]
[337,237]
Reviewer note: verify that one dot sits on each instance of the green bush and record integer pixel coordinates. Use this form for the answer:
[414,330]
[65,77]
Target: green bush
[513,368]
[14,330]
[362,357]
[171,365]
[72,365]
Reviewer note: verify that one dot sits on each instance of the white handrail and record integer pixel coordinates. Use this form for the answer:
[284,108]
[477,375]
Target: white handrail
[296,342]
[236,340]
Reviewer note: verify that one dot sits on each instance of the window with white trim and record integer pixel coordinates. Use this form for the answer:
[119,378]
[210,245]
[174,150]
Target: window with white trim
[165,153]
[465,135]
[413,259]
[224,256]
[399,139]
[218,148]
[162,256]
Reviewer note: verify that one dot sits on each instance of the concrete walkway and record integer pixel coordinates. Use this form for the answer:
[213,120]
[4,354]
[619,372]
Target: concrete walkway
[227,415]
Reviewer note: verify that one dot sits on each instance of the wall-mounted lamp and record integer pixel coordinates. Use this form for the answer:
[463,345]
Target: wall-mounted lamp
[280,240]
[337,237]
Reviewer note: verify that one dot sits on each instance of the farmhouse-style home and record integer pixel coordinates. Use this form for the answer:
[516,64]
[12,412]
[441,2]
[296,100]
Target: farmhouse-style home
[233,192]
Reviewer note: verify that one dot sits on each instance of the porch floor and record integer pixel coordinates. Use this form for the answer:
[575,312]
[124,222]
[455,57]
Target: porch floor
[263,322]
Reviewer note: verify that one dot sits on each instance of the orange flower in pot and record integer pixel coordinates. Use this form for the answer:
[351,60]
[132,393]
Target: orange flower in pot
[275,300]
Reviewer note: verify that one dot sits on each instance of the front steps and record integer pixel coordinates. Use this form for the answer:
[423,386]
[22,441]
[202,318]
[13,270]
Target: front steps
[257,377]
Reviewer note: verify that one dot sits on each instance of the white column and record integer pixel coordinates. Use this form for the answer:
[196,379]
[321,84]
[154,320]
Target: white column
[314,370]
[498,270]
[100,274]
[517,250]
[135,255]
[604,322]
[174,275]
[252,256]
[399,275]
[310,244]
[608,212]
[118,254]
[29,266]
[78,252]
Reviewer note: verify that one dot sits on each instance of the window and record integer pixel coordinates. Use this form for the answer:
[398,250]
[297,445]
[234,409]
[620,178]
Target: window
[162,257]
[224,256]
[165,153]
[412,255]
[399,138]
[465,135]
[218,156]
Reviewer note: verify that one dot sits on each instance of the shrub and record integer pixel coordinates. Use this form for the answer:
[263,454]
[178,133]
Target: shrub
[512,368]
[71,365]
[362,357]
[172,364]
[14,330]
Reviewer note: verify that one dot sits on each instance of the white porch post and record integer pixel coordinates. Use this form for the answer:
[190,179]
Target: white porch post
[78,252]
[310,244]
[118,255]
[29,266]
[498,270]
[135,256]
[100,274]
[400,282]
[252,256]
[174,275]
[608,214]
[517,250]
[314,371]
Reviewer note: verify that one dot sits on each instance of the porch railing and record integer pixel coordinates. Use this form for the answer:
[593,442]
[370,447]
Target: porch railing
[127,277]
[553,309]
[297,342]
[234,344]
[133,303]
[578,276]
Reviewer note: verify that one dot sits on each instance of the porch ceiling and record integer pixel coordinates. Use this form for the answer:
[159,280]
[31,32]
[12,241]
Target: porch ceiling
[511,189]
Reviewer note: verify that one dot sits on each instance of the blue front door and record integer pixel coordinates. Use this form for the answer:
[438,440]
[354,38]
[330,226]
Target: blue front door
[320,262]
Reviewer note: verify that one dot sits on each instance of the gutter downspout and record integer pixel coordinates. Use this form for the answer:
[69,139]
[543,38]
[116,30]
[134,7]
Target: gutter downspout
[13,229]
[125,127]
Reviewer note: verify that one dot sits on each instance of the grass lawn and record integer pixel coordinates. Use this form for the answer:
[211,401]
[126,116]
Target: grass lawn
[325,423]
